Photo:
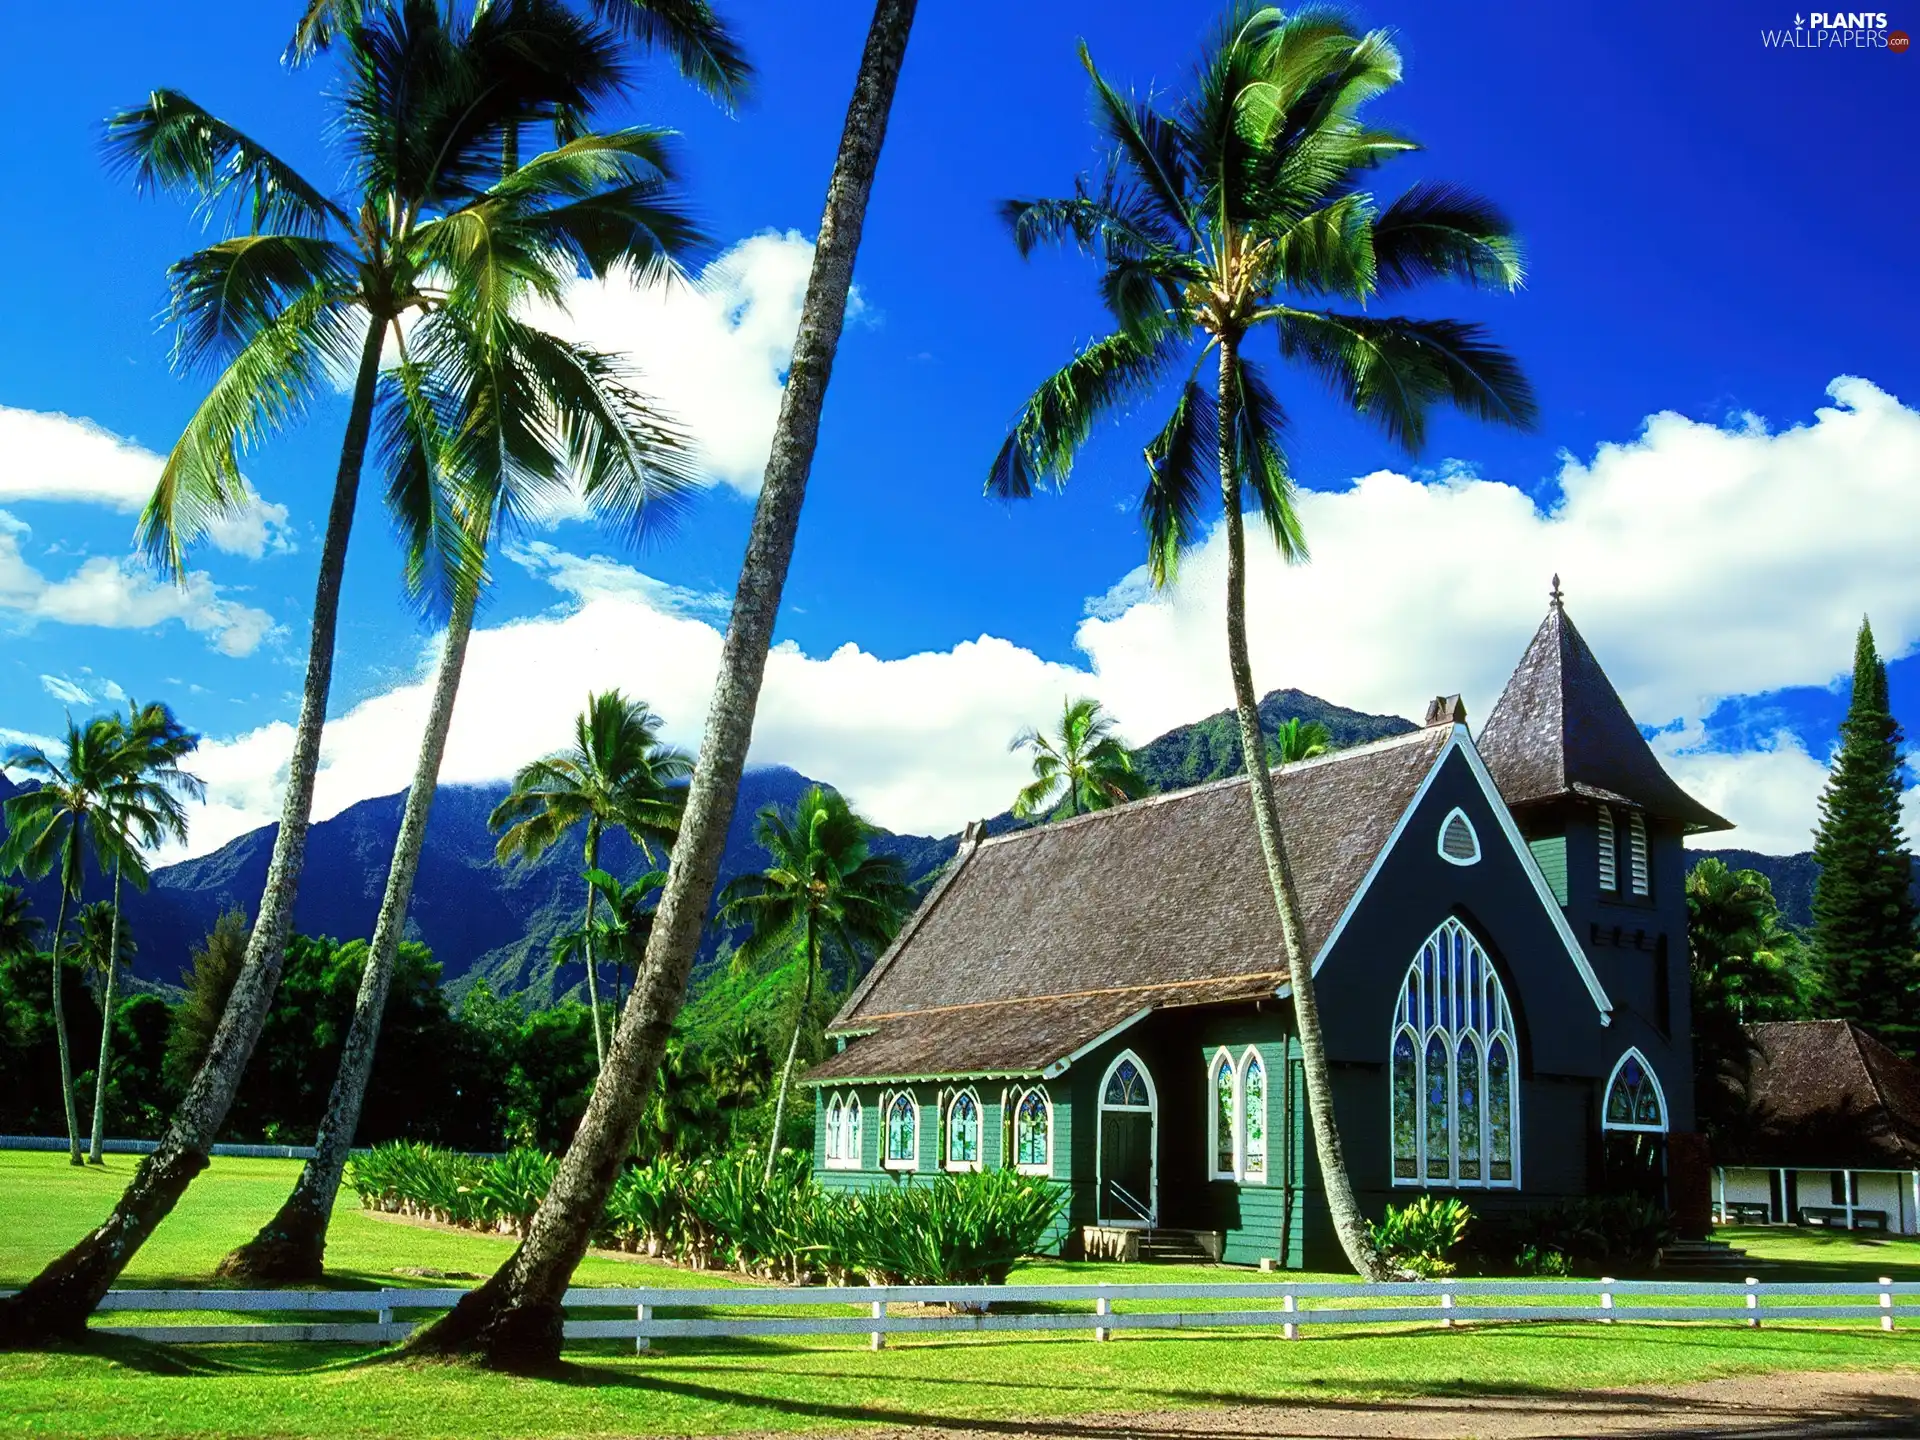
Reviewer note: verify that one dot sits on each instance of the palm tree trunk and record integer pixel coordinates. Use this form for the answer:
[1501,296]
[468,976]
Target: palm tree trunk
[513,1321]
[55,1305]
[292,1247]
[60,1020]
[94,1153]
[593,986]
[811,960]
[1355,1236]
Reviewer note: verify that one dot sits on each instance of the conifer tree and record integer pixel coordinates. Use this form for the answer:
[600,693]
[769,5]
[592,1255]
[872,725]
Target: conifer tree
[1863,910]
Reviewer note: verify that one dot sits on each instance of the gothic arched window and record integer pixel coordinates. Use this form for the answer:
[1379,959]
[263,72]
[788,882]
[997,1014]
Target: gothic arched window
[1634,1098]
[1032,1133]
[902,1119]
[1451,1078]
[963,1132]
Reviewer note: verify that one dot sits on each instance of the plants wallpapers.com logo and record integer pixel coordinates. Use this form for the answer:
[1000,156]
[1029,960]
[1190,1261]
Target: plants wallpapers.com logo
[1838,30]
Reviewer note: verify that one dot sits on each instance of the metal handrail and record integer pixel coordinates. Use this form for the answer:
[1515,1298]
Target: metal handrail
[1133,1203]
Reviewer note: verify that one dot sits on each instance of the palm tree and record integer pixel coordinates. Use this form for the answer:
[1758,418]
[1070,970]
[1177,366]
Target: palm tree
[435,235]
[54,826]
[145,796]
[622,935]
[1240,213]
[292,1246]
[617,775]
[823,887]
[514,1319]
[1081,767]
[1299,740]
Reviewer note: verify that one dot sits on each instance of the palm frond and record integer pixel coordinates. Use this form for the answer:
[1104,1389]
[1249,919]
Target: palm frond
[228,293]
[170,143]
[1181,472]
[1444,232]
[702,48]
[1153,147]
[1259,424]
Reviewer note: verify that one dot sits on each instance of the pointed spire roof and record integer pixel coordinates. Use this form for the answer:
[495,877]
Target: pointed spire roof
[1561,730]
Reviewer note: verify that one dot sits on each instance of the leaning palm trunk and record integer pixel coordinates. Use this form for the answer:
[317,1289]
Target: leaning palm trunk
[60,1030]
[1348,1223]
[293,1245]
[514,1320]
[55,1305]
[95,1156]
[593,983]
[812,960]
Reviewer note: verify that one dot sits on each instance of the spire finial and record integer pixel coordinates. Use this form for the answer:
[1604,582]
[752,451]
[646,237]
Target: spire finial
[1555,596]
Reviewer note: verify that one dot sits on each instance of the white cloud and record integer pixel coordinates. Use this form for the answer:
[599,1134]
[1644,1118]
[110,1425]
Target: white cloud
[54,457]
[1701,562]
[714,353]
[117,595]
[65,691]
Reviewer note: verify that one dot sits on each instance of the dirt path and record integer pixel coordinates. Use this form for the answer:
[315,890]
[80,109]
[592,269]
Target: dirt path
[1824,1405]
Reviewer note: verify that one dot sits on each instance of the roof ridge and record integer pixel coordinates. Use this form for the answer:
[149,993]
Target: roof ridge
[1205,787]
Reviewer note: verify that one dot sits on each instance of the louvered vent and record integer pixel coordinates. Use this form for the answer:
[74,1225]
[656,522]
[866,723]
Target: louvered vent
[1458,843]
[1637,852]
[1609,873]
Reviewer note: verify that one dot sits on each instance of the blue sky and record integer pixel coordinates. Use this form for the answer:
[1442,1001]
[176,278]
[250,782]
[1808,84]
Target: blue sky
[1715,230]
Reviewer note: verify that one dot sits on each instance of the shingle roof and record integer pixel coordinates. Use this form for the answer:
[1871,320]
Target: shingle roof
[1034,943]
[1560,729]
[1824,1094]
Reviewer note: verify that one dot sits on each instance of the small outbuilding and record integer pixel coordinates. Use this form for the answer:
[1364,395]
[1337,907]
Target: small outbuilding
[1830,1134]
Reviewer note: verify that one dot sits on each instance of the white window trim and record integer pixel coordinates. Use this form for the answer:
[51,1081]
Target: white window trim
[1222,1059]
[840,1110]
[1440,839]
[946,1131]
[1449,1037]
[1248,1060]
[1045,1167]
[1632,1052]
[887,1162]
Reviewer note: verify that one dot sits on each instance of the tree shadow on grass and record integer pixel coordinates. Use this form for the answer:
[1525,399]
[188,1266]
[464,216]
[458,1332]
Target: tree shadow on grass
[1862,1415]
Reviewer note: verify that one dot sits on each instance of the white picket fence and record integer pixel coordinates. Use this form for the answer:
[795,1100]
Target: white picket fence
[1291,1308]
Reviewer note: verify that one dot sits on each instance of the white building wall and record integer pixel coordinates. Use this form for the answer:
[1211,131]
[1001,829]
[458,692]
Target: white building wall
[1891,1191]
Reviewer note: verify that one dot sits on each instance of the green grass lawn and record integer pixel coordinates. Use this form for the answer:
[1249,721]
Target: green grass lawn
[118,1387]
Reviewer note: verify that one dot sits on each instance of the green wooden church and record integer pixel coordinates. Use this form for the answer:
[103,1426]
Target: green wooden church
[1496,930]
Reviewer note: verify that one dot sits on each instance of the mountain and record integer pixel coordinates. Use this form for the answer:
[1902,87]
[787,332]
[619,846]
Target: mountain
[1792,877]
[485,921]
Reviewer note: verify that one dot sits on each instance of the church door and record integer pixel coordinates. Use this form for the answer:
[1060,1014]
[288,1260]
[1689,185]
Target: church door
[1128,1172]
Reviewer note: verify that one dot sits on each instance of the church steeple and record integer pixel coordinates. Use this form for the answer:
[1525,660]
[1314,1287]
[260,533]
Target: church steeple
[1560,730]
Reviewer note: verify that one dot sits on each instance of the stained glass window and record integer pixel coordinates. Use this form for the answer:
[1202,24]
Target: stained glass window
[1030,1132]
[903,1131]
[1223,1107]
[1633,1099]
[1253,1096]
[1499,1113]
[1406,1108]
[1439,1108]
[963,1130]
[835,1140]
[1452,1084]
[1126,1088]
[1466,1097]
[850,1132]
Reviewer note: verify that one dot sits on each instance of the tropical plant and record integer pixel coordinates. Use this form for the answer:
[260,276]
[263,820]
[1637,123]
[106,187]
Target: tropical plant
[54,826]
[1421,1237]
[1299,740]
[19,926]
[292,1245]
[514,1319]
[618,775]
[310,287]
[1235,215]
[1745,966]
[823,889]
[145,798]
[621,936]
[1079,768]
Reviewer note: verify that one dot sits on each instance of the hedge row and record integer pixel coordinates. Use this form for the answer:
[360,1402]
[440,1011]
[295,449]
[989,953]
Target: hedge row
[957,1229]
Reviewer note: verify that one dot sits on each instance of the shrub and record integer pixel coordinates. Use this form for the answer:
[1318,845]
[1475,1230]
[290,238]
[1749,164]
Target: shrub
[954,1229]
[1420,1237]
[1587,1233]
[1549,1264]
